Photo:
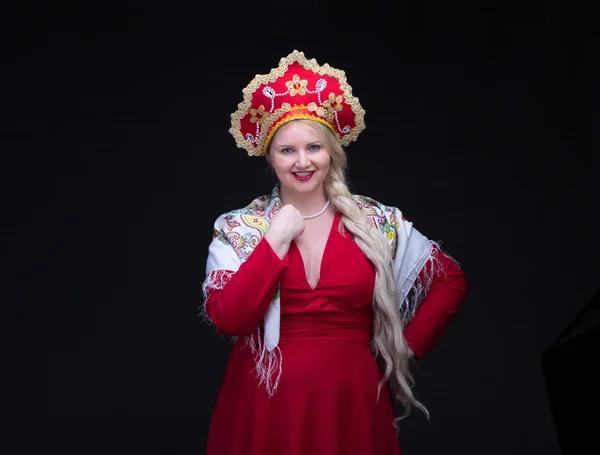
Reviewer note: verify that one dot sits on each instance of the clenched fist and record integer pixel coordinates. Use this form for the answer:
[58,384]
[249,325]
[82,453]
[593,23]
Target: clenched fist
[286,225]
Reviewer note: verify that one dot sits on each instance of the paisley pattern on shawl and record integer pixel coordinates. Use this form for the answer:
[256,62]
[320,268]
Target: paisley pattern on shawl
[237,232]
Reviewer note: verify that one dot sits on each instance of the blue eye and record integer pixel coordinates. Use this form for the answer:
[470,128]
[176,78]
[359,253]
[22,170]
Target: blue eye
[315,147]
[287,150]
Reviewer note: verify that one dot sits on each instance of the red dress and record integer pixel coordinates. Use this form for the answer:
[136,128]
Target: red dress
[326,402]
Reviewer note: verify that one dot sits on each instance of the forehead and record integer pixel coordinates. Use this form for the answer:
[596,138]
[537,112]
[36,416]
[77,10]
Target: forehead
[296,131]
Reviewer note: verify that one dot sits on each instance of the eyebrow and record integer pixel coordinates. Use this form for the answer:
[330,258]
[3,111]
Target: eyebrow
[291,146]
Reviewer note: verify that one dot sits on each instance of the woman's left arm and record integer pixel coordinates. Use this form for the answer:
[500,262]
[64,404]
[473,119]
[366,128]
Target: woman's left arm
[440,304]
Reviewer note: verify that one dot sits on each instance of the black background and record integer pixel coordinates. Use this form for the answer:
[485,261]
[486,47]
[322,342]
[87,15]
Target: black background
[482,125]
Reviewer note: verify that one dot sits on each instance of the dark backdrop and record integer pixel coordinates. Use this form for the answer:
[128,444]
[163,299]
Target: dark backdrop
[481,126]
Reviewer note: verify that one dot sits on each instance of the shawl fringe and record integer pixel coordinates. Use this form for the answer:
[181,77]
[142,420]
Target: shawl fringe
[214,281]
[431,269]
[268,364]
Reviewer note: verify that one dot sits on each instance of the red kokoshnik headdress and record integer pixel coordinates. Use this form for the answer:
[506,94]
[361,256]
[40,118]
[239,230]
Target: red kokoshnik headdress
[297,88]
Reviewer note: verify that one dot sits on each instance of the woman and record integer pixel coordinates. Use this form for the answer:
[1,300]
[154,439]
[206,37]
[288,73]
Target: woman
[327,294]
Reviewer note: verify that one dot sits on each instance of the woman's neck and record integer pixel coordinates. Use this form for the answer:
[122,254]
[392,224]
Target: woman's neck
[306,203]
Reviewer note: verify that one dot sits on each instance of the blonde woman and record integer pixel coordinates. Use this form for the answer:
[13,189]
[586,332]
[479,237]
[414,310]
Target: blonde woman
[328,295]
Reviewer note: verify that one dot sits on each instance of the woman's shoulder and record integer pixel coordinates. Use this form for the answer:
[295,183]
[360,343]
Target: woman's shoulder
[374,208]
[364,201]
[258,208]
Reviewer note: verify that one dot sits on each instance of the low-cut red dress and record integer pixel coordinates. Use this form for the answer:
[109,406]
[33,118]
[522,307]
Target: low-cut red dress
[327,399]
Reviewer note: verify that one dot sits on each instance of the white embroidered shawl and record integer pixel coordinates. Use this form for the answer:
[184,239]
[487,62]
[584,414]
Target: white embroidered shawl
[237,232]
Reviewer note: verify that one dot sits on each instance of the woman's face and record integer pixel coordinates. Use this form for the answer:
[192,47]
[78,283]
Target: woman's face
[298,155]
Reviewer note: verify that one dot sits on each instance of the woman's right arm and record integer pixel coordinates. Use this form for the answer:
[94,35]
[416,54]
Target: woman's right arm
[239,306]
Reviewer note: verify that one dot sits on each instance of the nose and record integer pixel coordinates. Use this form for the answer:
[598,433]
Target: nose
[303,160]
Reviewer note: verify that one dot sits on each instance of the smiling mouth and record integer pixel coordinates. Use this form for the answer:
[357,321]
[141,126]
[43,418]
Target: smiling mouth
[303,175]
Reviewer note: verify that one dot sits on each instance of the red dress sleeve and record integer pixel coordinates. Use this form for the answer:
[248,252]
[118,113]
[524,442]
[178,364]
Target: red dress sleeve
[442,301]
[237,309]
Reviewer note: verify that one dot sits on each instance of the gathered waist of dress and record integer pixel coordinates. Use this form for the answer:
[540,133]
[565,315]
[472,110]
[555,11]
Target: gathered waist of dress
[315,330]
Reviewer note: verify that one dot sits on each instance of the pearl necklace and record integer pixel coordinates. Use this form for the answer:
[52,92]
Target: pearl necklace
[319,213]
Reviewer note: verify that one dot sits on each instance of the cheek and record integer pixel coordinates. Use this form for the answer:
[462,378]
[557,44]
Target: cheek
[279,166]
[325,162]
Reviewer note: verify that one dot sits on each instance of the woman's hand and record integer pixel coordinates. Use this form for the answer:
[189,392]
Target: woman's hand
[286,225]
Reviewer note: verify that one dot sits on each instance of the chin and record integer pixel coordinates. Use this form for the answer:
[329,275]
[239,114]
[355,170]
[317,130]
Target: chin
[304,187]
